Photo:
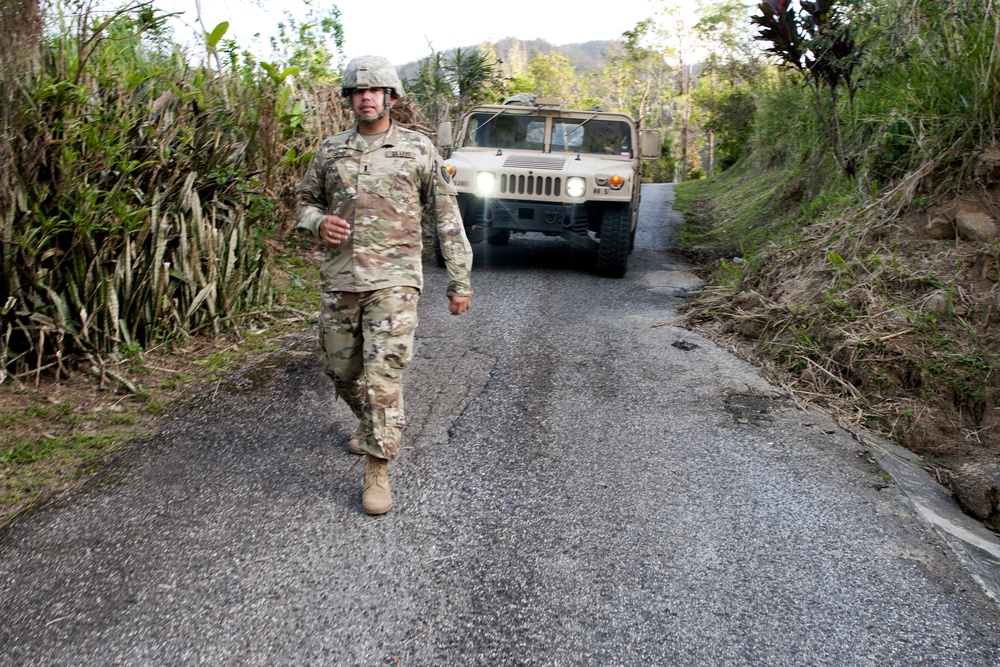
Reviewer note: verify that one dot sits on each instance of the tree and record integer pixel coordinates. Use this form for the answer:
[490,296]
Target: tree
[553,76]
[472,74]
[817,40]
[516,63]
[431,90]
[510,67]
[445,88]
[679,41]
[307,44]
[707,53]
[633,78]
[722,89]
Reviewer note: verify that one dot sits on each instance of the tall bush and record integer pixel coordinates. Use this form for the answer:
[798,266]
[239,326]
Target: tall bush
[922,80]
[818,39]
[137,188]
[932,91]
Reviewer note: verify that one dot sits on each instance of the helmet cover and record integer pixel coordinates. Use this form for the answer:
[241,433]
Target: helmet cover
[371,72]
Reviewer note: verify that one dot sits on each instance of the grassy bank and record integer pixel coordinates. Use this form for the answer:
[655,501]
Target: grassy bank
[863,224]
[851,309]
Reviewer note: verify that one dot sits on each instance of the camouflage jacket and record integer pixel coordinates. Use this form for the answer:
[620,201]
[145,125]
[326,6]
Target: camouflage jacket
[381,191]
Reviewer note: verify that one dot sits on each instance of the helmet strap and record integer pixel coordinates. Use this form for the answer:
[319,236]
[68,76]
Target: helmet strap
[386,103]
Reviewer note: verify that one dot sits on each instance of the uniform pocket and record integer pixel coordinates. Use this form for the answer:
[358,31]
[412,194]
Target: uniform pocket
[394,418]
[398,180]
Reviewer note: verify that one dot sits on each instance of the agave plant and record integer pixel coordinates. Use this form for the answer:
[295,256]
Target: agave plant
[131,218]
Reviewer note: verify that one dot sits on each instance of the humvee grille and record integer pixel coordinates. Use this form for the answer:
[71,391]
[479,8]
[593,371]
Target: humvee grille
[519,184]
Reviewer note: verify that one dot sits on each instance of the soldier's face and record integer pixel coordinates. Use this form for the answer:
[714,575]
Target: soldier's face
[368,103]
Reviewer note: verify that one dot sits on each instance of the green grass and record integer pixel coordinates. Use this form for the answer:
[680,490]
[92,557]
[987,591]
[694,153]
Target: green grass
[217,361]
[81,447]
[34,471]
[867,334]
[121,418]
[751,206]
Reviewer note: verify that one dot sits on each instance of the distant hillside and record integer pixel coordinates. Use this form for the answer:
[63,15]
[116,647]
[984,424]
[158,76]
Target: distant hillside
[584,57]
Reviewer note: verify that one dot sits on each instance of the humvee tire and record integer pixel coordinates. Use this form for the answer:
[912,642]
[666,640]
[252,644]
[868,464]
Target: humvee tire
[612,253]
[499,238]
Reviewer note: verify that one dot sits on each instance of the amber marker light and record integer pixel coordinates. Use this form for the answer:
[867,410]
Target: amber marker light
[450,169]
[616,181]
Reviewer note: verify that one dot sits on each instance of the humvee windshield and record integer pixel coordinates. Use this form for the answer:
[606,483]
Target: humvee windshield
[605,137]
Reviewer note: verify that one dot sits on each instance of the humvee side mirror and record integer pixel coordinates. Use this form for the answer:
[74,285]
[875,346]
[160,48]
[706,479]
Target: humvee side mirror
[444,136]
[650,143]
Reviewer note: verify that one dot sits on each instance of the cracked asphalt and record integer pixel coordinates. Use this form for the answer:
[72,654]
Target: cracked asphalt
[581,484]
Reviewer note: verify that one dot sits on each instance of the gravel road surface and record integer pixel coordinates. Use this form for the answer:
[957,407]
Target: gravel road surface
[581,484]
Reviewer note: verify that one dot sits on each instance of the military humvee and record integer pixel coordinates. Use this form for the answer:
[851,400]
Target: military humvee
[530,166]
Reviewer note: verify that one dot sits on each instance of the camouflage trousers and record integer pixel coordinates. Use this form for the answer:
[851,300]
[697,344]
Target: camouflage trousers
[365,342]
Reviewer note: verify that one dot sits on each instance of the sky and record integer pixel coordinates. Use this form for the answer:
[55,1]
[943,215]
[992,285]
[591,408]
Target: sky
[401,30]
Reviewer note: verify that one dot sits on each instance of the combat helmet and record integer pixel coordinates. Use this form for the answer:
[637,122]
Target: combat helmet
[371,72]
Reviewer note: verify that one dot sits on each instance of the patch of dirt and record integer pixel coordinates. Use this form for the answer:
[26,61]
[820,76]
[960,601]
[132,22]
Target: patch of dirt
[751,408]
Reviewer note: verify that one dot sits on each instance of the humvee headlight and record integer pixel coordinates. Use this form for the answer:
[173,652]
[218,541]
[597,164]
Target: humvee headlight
[616,182]
[576,187]
[486,182]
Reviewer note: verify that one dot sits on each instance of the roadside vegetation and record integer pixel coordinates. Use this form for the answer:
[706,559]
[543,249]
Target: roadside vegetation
[144,202]
[147,200]
[853,251]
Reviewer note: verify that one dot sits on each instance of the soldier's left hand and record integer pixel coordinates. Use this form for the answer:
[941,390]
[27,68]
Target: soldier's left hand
[459,304]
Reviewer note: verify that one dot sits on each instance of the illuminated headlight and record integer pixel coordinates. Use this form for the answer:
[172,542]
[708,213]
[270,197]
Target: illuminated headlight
[576,187]
[486,183]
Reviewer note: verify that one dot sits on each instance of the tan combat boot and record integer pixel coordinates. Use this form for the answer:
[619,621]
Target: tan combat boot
[376,497]
[362,432]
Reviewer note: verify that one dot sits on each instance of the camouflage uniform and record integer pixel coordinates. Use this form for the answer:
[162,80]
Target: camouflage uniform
[371,282]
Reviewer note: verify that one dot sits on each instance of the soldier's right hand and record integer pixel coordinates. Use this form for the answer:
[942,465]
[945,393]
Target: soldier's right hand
[334,230]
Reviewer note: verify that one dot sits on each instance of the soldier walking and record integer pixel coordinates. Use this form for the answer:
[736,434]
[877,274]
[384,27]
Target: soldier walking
[362,196]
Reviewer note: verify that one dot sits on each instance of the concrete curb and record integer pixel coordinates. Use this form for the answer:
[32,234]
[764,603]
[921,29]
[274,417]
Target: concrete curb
[974,545]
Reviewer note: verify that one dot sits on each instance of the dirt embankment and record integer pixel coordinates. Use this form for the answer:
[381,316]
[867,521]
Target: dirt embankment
[891,321]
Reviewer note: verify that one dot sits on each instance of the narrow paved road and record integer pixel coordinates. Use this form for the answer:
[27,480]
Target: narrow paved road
[582,485]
